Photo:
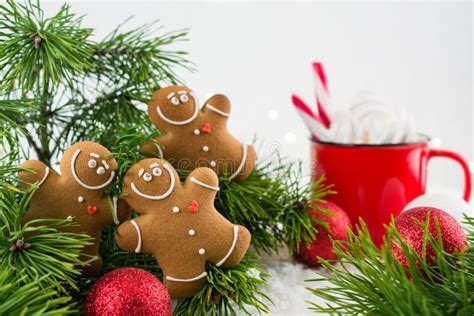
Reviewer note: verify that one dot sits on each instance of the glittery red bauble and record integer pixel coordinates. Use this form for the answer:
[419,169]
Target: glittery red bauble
[409,225]
[338,222]
[128,291]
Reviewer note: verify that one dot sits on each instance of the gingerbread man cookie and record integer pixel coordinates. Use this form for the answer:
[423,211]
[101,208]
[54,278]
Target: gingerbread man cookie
[197,138]
[179,224]
[87,170]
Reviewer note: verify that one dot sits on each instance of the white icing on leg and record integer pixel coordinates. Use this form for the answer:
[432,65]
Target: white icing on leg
[194,180]
[157,197]
[95,258]
[214,109]
[242,163]
[202,275]
[137,228]
[231,249]
[46,173]
[82,184]
[184,122]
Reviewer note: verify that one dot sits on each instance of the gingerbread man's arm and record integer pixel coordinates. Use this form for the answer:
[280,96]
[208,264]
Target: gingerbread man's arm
[204,183]
[123,210]
[38,173]
[217,109]
[130,236]
[154,150]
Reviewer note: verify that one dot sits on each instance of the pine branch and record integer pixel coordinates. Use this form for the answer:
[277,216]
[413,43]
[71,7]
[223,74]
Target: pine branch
[372,281]
[229,291]
[75,82]
[138,57]
[37,53]
[297,224]
[18,297]
[12,123]
[43,253]
[272,203]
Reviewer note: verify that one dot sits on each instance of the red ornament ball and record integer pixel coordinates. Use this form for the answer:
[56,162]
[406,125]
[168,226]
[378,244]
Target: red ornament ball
[409,225]
[128,291]
[338,222]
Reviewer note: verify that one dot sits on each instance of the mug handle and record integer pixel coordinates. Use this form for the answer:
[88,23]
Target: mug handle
[460,160]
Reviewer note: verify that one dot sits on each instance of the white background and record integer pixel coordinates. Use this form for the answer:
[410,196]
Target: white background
[412,55]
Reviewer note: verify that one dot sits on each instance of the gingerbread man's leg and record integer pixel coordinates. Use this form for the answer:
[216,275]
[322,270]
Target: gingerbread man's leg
[238,248]
[93,267]
[184,274]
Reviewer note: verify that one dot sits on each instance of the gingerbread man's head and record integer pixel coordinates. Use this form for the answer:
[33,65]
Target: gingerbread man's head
[90,164]
[152,180]
[174,105]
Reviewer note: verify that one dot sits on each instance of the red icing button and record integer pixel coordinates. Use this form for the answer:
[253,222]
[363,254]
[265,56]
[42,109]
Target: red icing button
[193,206]
[206,129]
[91,209]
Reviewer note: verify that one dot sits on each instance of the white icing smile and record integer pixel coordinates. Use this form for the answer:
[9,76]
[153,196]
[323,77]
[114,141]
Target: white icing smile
[81,183]
[157,197]
[183,122]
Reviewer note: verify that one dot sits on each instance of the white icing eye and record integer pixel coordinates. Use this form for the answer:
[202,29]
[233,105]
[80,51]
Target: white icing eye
[147,177]
[100,170]
[174,101]
[184,98]
[92,163]
[156,172]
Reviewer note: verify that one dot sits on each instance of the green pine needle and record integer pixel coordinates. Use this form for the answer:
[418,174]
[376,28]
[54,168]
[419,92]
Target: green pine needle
[12,123]
[229,291]
[148,61]
[272,203]
[35,50]
[369,280]
[18,297]
[80,88]
[42,253]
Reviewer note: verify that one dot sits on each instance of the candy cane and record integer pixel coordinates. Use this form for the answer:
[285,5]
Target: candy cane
[322,93]
[313,122]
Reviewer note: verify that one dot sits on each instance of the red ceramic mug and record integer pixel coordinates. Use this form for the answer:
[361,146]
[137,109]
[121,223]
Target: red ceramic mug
[375,182]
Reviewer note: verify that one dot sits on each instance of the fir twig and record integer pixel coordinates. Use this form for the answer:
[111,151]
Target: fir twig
[80,88]
[38,51]
[18,297]
[272,203]
[229,290]
[370,280]
[42,253]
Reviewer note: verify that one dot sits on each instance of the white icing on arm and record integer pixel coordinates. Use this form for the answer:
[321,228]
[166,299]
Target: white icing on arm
[137,228]
[46,173]
[114,210]
[214,109]
[205,185]
[242,163]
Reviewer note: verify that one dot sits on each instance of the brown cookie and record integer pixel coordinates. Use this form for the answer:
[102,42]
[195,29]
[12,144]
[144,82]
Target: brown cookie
[87,170]
[197,138]
[179,224]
